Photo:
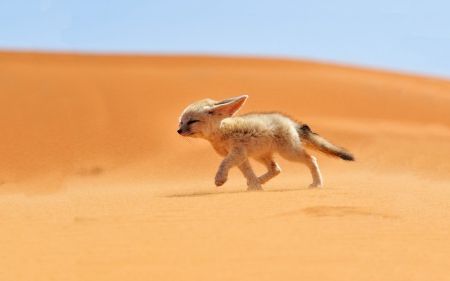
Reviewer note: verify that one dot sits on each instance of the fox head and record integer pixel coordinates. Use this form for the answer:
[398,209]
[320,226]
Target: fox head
[202,118]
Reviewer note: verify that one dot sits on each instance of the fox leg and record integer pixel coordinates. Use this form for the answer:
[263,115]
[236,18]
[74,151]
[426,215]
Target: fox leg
[313,166]
[273,169]
[234,158]
[309,161]
[252,180]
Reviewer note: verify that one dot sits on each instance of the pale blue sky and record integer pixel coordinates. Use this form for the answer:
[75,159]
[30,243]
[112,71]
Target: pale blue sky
[412,36]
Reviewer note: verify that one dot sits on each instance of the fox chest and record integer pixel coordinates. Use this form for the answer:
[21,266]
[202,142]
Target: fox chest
[220,149]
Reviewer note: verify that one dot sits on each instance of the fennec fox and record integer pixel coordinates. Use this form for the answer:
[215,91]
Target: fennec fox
[255,135]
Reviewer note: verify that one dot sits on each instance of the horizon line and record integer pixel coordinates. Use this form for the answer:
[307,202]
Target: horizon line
[229,55]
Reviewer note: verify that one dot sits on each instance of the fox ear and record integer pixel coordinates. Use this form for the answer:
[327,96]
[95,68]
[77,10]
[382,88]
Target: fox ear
[229,106]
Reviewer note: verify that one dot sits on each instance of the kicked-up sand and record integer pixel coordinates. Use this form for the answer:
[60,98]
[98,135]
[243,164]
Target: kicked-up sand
[95,183]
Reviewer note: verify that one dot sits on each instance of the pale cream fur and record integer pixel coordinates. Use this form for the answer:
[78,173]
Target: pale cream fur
[256,135]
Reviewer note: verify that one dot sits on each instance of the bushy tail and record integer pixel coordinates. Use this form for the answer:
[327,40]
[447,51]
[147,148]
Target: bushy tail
[317,142]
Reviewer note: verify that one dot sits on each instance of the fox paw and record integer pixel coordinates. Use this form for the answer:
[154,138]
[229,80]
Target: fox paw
[254,186]
[220,180]
[315,185]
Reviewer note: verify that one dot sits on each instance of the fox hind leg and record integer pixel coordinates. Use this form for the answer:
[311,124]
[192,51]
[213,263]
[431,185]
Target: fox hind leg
[273,169]
[309,161]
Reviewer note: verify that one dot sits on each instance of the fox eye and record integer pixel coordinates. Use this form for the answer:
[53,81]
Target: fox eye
[192,122]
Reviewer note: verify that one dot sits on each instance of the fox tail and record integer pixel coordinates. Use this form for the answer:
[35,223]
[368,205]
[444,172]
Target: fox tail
[315,141]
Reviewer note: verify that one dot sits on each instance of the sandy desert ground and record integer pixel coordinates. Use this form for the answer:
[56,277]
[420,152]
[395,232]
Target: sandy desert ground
[96,184]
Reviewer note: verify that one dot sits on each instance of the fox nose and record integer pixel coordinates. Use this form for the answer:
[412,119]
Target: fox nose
[179,131]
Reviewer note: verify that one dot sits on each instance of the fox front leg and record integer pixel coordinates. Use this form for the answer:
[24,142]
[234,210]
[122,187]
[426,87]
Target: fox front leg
[252,180]
[234,158]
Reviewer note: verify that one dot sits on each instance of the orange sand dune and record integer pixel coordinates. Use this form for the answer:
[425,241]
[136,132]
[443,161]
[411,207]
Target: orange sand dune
[97,185]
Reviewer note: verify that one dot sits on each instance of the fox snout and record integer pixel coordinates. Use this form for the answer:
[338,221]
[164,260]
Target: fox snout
[184,131]
[186,127]
[181,131]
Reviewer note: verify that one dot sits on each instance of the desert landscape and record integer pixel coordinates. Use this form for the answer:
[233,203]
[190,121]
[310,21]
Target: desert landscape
[97,185]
